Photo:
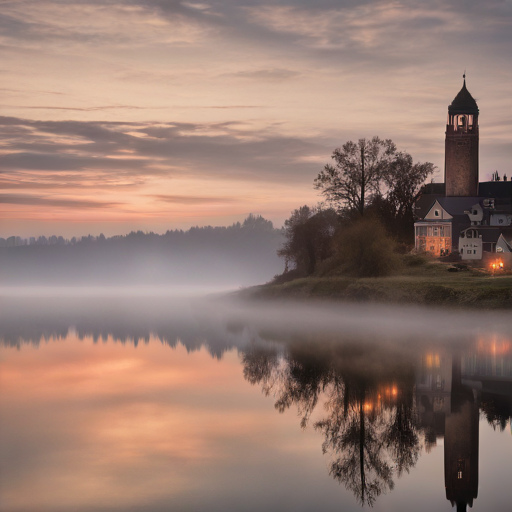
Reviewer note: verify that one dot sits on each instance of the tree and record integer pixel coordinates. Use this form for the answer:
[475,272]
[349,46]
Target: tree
[357,174]
[374,173]
[257,223]
[403,180]
[308,234]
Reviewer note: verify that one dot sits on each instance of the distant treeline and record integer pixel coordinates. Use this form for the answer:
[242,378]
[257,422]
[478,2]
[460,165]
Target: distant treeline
[240,254]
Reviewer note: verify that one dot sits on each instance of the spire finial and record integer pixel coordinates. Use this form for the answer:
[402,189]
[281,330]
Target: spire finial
[464,76]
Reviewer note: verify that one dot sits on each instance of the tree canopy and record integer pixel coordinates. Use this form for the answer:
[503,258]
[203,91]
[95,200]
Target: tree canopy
[372,169]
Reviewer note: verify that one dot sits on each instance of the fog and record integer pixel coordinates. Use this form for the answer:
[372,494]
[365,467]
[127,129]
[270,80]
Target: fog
[239,255]
[222,321]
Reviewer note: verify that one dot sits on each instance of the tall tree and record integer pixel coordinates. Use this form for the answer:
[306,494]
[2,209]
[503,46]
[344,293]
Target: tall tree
[402,181]
[357,174]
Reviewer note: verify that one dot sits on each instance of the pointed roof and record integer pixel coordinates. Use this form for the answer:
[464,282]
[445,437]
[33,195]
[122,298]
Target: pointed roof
[463,103]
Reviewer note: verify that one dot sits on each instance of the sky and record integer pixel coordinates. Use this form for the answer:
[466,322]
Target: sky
[119,115]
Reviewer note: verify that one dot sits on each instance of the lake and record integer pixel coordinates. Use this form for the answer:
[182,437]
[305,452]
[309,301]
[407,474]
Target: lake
[153,403]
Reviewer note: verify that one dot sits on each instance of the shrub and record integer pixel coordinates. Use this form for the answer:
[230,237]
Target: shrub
[364,249]
[416,260]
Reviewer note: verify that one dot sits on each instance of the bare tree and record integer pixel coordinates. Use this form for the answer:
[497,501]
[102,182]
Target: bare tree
[357,174]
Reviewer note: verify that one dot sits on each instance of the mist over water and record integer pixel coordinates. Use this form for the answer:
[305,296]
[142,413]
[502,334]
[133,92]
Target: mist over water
[109,402]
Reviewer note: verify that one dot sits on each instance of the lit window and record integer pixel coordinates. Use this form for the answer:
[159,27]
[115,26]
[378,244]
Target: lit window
[459,475]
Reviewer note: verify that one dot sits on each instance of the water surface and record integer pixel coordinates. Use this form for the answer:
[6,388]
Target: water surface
[161,403]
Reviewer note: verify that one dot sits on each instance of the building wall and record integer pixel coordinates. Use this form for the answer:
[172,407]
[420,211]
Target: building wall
[433,238]
[470,248]
[461,165]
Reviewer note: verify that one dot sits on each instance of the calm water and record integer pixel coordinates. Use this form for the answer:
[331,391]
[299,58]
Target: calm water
[158,403]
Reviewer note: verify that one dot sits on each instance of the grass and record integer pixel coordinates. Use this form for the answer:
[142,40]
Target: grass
[425,283]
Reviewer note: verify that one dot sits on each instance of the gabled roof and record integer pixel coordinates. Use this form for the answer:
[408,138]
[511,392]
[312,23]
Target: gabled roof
[463,103]
[439,215]
[424,204]
[507,236]
[458,205]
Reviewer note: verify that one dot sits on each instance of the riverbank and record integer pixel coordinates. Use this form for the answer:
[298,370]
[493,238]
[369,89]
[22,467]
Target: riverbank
[433,284]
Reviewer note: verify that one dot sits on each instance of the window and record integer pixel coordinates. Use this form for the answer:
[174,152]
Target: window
[437,213]
[460,468]
[475,212]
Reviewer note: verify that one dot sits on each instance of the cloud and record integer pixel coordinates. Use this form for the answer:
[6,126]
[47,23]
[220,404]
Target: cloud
[194,200]
[270,75]
[30,200]
[228,149]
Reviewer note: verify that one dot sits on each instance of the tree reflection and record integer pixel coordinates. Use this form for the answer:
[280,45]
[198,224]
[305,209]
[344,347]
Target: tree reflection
[355,440]
[369,430]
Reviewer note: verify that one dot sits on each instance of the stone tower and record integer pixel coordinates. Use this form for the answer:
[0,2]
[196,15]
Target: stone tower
[461,146]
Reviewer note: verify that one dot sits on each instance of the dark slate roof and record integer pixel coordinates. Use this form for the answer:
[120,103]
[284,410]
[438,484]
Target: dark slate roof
[424,203]
[490,234]
[463,103]
[434,188]
[496,189]
[458,205]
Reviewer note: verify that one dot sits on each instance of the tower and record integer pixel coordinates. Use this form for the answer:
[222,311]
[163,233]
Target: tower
[461,146]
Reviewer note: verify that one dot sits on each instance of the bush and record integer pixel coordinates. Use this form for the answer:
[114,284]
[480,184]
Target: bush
[416,260]
[364,249]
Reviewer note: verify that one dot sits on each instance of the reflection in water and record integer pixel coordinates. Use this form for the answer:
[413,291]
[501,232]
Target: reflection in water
[376,404]
[379,402]
[369,430]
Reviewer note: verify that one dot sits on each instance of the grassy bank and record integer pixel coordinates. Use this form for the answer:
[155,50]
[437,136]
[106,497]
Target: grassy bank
[431,284]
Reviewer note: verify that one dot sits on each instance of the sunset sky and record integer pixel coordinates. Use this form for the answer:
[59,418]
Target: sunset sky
[161,114]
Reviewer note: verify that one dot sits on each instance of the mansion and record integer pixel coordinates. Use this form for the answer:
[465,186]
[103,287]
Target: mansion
[462,214]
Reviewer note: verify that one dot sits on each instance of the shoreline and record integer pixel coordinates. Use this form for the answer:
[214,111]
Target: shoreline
[467,292]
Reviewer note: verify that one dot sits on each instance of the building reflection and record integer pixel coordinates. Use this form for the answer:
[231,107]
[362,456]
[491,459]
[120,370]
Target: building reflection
[451,388]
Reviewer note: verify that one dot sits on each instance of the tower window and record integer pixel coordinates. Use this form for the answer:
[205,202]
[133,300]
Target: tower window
[460,468]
